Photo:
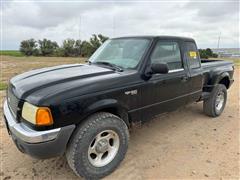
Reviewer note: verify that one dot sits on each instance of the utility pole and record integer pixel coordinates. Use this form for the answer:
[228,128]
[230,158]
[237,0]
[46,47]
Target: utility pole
[219,37]
[114,26]
[79,27]
[79,32]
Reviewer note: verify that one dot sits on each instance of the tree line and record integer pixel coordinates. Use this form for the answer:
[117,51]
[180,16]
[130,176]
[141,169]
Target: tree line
[69,47]
[74,48]
[207,53]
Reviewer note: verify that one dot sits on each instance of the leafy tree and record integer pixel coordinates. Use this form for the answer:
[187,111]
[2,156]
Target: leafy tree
[59,52]
[203,54]
[78,47]
[96,41]
[209,52]
[29,47]
[102,38]
[86,49]
[215,55]
[68,47]
[206,53]
[47,47]
[72,47]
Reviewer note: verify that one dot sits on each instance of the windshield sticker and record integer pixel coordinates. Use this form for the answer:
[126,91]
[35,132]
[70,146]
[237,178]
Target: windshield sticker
[193,54]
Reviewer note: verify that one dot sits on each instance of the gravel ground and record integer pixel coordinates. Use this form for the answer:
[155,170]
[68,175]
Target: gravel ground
[183,144]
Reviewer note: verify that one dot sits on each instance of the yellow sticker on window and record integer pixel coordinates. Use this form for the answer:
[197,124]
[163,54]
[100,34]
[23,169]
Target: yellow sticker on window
[193,54]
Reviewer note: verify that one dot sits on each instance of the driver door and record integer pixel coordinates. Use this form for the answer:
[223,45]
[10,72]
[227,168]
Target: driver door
[165,92]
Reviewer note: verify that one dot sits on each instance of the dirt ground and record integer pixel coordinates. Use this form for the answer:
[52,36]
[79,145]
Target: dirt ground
[184,144]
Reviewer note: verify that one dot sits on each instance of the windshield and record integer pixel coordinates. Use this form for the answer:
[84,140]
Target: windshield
[124,53]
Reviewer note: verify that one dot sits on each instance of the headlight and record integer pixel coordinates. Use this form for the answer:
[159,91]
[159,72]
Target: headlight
[40,116]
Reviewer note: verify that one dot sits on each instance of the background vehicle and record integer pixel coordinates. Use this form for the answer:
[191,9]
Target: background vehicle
[86,110]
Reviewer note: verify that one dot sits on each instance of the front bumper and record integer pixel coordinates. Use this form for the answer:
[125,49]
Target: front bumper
[39,144]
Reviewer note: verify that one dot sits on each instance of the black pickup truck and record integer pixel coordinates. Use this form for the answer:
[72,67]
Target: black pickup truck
[86,110]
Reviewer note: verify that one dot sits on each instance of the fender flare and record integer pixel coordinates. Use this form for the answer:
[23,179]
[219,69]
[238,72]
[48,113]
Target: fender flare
[108,104]
[219,76]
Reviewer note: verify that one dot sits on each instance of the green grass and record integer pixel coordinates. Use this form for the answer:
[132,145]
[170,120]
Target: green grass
[15,53]
[3,86]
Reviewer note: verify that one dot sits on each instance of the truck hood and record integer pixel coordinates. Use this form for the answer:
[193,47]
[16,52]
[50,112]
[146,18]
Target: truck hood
[27,83]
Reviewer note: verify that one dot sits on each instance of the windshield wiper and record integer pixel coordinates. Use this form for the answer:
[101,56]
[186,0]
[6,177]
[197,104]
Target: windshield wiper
[114,66]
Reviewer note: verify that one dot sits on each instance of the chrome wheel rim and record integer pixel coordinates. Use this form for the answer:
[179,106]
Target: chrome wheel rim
[219,100]
[103,148]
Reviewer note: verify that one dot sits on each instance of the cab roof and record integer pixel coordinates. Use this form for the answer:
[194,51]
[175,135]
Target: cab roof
[158,37]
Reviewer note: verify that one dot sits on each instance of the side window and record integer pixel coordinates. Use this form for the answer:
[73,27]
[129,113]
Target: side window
[192,55]
[167,52]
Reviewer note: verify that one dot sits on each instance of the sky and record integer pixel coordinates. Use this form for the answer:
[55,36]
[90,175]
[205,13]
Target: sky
[203,20]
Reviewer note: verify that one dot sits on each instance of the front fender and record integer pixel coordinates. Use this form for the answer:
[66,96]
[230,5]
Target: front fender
[74,112]
[109,105]
[102,104]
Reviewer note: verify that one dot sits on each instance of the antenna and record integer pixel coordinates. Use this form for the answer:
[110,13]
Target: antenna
[114,26]
[80,26]
[79,32]
[219,37]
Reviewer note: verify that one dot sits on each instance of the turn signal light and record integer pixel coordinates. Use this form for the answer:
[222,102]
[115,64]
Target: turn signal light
[44,117]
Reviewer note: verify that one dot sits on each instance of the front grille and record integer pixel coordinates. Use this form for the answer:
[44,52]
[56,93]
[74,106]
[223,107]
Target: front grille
[12,102]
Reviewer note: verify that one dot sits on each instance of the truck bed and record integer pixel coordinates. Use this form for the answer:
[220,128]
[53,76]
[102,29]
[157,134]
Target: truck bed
[210,64]
[211,67]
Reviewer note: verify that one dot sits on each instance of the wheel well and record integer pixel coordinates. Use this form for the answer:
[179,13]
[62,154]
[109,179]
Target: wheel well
[225,81]
[120,113]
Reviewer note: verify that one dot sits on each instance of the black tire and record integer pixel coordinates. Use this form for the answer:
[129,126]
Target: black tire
[210,104]
[77,151]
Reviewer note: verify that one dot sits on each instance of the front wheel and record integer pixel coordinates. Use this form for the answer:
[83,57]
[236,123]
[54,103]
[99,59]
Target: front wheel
[214,105]
[98,146]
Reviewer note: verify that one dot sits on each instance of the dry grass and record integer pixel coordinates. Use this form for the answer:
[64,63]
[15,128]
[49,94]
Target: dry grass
[12,66]
[236,61]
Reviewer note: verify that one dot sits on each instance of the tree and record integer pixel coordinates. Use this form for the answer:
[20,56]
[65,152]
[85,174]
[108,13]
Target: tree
[102,38]
[72,47]
[215,55]
[29,47]
[68,47]
[96,41]
[86,49]
[209,52]
[47,47]
[78,47]
[203,54]
[206,53]
[59,52]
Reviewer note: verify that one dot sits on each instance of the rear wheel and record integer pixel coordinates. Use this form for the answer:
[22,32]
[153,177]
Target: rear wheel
[215,104]
[98,146]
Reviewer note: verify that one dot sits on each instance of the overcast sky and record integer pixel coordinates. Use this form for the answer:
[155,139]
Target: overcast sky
[57,20]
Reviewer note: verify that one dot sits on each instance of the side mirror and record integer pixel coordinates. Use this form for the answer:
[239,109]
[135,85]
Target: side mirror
[159,68]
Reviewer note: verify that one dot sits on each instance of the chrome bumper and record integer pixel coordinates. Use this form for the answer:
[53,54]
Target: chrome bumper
[25,133]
